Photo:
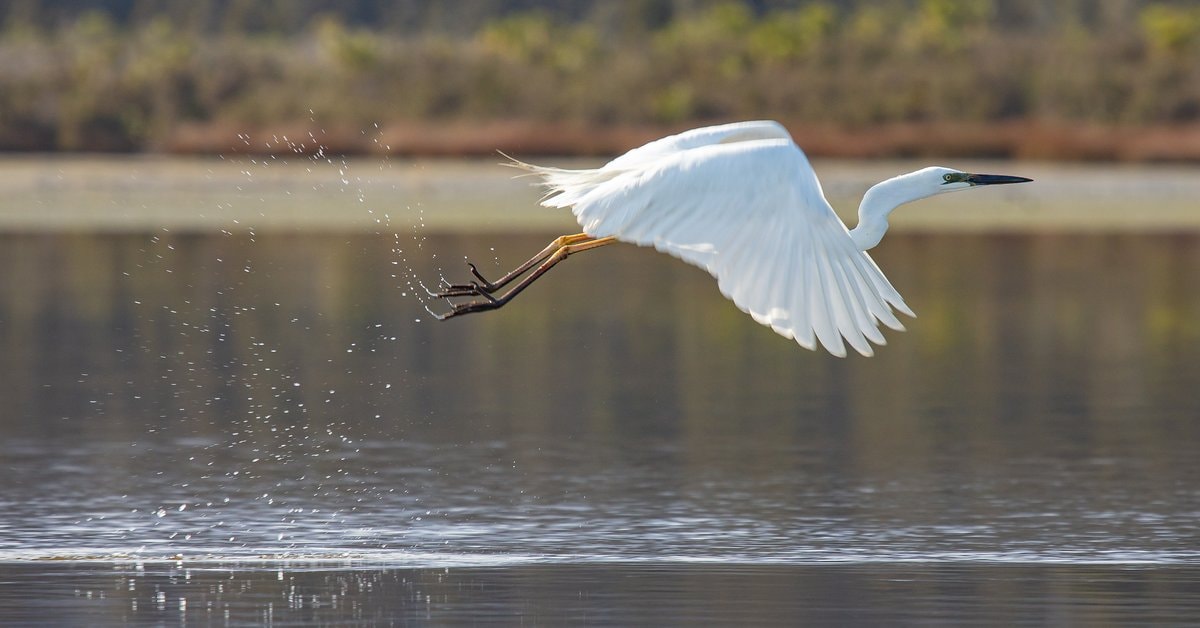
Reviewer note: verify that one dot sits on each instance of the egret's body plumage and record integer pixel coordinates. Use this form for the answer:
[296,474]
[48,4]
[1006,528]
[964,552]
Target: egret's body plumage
[742,202]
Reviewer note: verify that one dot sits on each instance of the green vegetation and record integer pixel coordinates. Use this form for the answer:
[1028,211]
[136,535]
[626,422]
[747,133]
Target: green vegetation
[192,76]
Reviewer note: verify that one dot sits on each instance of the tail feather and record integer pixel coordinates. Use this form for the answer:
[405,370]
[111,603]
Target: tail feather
[564,187]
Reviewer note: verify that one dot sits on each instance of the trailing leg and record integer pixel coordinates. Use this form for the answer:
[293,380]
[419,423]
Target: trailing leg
[483,286]
[491,302]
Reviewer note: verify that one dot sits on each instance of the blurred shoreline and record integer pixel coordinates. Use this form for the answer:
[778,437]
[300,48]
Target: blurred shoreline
[243,193]
[1108,80]
[997,140]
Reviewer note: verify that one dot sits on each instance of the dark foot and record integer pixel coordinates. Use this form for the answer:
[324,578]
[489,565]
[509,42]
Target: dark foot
[481,287]
[486,285]
[461,290]
[470,307]
[473,289]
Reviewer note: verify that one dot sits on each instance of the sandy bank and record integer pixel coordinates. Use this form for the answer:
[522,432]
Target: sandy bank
[397,195]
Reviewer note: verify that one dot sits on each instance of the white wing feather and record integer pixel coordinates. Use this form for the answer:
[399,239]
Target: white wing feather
[704,136]
[742,202]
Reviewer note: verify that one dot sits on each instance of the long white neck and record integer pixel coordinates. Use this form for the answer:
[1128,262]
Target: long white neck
[878,203]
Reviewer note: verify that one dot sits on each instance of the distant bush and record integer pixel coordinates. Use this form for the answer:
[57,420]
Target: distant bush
[90,82]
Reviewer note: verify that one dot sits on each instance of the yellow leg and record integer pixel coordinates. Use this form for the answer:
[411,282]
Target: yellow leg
[572,247]
[578,245]
[491,286]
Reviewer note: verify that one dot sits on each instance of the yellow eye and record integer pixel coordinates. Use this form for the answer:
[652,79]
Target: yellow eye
[948,177]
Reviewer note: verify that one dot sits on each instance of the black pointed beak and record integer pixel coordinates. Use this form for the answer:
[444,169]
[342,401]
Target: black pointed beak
[994,179]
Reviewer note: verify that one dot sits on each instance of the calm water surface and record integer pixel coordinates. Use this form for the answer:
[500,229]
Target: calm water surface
[243,429]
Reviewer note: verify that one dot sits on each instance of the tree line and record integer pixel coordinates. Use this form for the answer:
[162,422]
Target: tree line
[130,75]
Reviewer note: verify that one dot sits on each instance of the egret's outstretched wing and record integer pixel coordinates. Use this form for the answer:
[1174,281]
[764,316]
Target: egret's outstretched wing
[751,213]
[567,186]
[704,136]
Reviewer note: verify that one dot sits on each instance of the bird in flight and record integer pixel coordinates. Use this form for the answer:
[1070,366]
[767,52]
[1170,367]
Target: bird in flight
[742,202]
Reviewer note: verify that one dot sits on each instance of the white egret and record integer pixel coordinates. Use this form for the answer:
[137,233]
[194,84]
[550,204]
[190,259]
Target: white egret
[742,202]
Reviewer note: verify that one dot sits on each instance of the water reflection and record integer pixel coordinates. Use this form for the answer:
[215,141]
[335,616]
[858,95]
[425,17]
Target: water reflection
[619,595]
[288,396]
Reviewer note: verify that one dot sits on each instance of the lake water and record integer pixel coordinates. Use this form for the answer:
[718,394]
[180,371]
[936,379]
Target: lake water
[236,428]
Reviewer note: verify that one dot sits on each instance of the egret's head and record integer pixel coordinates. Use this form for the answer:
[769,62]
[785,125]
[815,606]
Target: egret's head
[884,197]
[948,179]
